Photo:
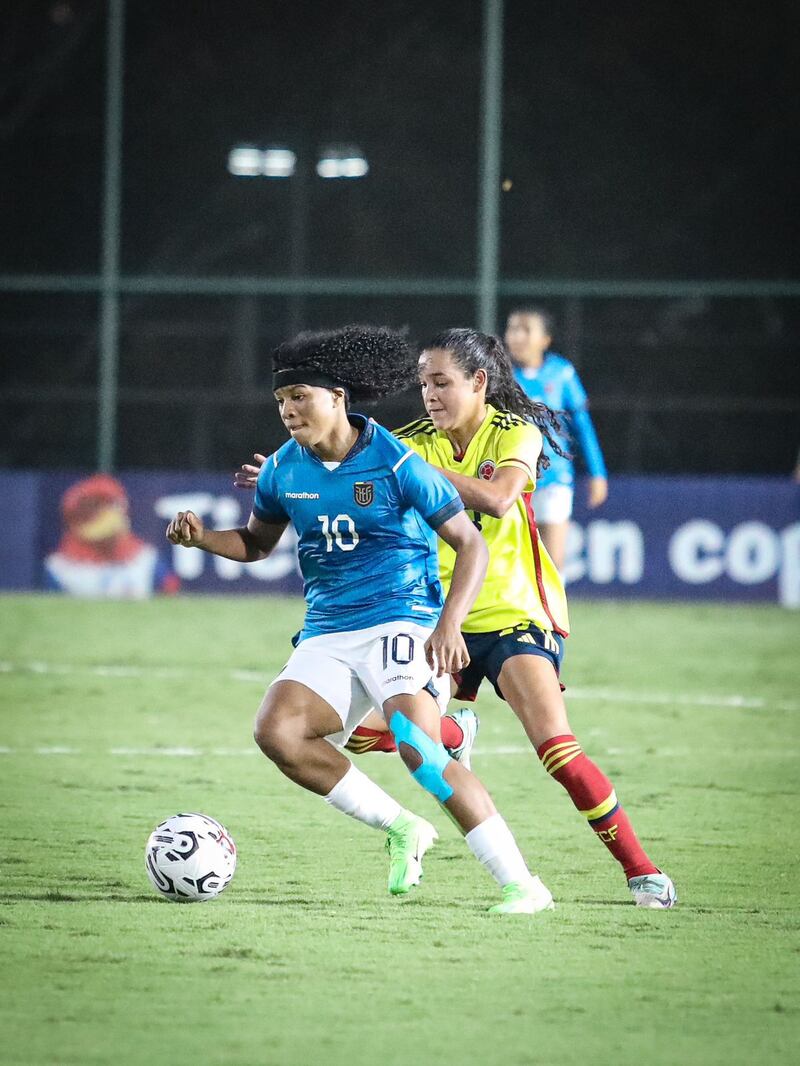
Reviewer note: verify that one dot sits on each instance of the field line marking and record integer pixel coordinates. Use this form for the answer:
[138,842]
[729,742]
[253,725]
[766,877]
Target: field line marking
[603,695]
[204,753]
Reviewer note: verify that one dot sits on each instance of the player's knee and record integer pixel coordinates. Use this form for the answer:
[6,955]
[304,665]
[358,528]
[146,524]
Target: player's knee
[425,758]
[263,734]
[277,736]
[410,756]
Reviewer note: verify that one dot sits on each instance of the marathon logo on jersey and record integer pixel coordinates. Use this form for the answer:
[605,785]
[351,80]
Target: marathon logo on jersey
[486,469]
[364,493]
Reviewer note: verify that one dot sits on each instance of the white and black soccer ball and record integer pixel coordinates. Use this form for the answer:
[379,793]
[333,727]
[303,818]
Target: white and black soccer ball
[190,858]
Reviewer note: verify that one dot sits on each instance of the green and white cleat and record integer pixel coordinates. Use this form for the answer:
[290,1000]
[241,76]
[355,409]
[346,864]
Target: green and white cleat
[653,890]
[468,722]
[524,897]
[407,840]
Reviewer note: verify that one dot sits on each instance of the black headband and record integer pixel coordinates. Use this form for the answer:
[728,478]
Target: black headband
[299,375]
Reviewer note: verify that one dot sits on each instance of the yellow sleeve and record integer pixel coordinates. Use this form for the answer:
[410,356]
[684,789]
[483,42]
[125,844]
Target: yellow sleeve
[519,445]
[423,445]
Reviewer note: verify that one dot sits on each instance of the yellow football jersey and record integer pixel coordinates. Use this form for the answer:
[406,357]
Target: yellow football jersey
[521,584]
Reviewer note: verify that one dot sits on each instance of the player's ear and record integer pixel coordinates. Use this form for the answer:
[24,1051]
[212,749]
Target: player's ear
[480,381]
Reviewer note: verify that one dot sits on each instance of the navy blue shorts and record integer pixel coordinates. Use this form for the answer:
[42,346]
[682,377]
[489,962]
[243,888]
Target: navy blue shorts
[488,652]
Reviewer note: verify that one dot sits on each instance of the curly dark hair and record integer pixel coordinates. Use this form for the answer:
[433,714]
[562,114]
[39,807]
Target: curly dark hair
[472,351]
[368,362]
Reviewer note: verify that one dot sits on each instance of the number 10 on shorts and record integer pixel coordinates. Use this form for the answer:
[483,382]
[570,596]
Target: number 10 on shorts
[401,648]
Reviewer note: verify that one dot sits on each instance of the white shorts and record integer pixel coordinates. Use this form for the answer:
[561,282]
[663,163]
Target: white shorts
[553,504]
[357,671]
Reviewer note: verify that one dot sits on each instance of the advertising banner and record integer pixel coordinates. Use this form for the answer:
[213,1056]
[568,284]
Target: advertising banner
[656,537]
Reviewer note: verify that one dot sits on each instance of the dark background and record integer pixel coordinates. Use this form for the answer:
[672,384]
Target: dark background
[648,141]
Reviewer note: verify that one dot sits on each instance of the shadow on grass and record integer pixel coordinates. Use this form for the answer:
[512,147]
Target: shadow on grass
[68,897]
[325,906]
[598,902]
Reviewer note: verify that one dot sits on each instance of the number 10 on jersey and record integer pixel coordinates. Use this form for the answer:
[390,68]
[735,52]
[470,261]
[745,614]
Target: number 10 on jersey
[341,531]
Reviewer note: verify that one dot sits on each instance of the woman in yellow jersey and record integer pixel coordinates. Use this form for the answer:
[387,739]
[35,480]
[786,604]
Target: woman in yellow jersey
[485,435]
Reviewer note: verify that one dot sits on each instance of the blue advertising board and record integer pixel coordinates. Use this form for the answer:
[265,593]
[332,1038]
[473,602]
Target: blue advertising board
[659,537]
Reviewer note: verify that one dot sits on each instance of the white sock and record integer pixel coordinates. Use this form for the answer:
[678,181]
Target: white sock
[493,844]
[361,798]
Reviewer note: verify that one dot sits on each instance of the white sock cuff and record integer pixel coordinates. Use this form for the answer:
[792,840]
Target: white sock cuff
[493,844]
[484,839]
[363,800]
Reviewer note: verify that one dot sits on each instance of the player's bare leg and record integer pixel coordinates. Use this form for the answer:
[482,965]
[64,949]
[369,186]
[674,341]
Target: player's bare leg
[530,685]
[470,803]
[554,536]
[290,729]
[414,720]
[291,726]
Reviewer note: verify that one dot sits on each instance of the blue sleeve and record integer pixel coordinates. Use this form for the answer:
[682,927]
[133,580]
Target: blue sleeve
[586,435]
[574,394]
[427,490]
[266,504]
[576,402]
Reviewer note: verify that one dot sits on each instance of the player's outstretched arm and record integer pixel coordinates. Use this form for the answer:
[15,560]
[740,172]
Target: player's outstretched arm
[494,497]
[245,545]
[247,474]
[445,648]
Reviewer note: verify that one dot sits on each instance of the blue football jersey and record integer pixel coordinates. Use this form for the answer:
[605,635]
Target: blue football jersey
[557,384]
[366,530]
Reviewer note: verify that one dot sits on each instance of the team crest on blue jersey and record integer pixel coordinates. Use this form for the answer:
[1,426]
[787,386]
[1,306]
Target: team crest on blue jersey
[364,493]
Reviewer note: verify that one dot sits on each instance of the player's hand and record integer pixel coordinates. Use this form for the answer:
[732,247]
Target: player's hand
[446,651]
[186,529]
[247,474]
[598,491]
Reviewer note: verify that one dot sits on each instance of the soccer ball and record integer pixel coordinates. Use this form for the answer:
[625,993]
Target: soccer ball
[190,858]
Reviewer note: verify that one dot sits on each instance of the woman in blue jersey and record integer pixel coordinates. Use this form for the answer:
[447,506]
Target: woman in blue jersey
[550,378]
[377,633]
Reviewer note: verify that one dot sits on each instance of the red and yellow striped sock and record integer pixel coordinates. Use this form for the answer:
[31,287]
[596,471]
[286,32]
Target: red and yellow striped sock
[594,796]
[364,739]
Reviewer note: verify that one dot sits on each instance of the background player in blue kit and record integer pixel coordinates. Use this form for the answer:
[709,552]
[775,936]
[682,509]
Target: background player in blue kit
[550,378]
[376,632]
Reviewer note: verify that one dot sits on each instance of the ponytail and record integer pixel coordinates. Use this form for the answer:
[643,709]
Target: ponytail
[473,351]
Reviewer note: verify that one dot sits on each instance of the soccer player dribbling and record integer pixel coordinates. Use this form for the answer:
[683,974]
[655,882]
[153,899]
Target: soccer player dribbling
[485,436]
[376,633]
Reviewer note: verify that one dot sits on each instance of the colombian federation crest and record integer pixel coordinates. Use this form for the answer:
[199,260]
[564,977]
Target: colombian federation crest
[364,493]
[486,469]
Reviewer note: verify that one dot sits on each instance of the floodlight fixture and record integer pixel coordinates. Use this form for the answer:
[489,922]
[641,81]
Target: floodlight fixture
[278,163]
[250,161]
[342,161]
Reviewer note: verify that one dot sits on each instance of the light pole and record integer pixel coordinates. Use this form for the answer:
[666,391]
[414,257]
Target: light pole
[490,157]
[108,370]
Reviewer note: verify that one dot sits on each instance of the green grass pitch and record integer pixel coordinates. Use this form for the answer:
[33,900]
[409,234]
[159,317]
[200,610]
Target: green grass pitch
[116,715]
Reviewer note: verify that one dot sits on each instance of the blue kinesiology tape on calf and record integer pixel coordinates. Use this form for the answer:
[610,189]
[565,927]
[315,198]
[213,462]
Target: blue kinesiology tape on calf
[434,757]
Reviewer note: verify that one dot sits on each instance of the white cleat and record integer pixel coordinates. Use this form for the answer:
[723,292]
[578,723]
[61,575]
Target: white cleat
[527,897]
[653,890]
[468,722]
